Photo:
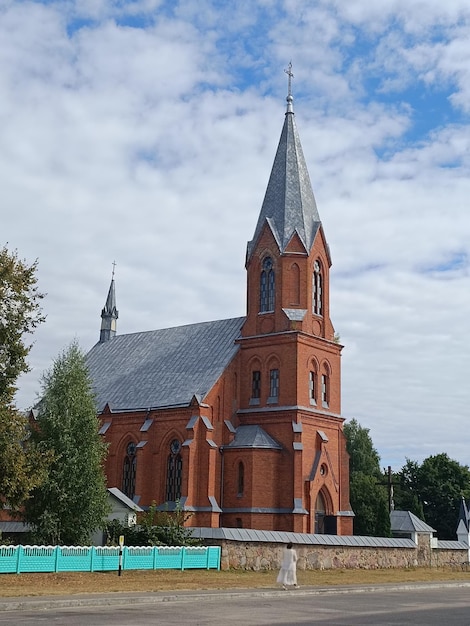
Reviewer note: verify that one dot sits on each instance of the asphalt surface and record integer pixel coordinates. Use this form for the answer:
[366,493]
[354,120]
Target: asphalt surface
[38,603]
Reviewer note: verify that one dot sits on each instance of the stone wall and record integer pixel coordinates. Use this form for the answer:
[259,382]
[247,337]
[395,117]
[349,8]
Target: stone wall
[267,556]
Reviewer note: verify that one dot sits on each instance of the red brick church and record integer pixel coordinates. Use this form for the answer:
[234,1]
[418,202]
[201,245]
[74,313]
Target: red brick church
[239,420]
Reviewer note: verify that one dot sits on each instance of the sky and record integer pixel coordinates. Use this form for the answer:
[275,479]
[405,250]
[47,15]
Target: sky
[143,133]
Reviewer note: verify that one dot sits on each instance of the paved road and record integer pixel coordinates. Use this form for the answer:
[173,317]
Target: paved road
[420,605]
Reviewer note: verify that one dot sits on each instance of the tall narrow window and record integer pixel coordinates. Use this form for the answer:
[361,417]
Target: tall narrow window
[235,393]
[267,286]
[273,385]
[312,384]
[295,284]
[241,479]
[271,289]
[256,385]
[174,472]
[320,512]
[129,471]
[317,293]
[325,390]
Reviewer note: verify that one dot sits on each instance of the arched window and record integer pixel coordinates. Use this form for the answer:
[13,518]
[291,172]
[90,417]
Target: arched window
[174,472]
[129,470]
[255,387]
[273,386]
[325,390]
[317,289]
[295,284]
[241,480]
[320,511]
[235,392]
[267,286]
[312,385]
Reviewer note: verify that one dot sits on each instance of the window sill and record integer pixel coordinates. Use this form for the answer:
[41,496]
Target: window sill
[254,401]
[273,400]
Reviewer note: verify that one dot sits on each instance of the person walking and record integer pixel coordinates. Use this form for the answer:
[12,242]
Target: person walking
[288,573]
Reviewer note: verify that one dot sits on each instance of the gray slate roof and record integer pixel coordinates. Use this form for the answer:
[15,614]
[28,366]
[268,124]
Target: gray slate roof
[289,204]
[14,527]
[253,436]
[407,522]
[117,493]
[162,368]
[447,544]
[273,536]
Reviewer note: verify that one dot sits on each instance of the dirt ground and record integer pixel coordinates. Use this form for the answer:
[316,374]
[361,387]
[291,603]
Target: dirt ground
[173,580]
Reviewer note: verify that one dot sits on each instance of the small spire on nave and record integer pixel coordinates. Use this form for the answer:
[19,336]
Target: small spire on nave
[109,314]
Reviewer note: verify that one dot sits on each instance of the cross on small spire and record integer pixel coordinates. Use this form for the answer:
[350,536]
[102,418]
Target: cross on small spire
[289,73]
[114,267]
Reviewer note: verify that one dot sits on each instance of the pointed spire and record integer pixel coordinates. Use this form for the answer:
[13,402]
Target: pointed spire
[109,314]
[464,515]
[289,204]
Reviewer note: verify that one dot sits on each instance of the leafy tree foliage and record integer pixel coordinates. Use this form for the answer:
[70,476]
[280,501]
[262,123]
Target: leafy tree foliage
[369,498]
[73,501]
[20,314]
[154,528]
[406,492]
[22,465]
[369,502]
[363,457]
[435,488]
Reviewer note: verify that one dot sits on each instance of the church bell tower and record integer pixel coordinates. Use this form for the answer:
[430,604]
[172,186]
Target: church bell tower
[290,356]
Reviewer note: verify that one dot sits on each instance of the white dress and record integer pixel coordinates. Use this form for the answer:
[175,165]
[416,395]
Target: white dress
[288,572]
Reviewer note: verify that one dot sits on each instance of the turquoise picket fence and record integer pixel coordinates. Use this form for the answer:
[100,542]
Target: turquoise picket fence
[21,559]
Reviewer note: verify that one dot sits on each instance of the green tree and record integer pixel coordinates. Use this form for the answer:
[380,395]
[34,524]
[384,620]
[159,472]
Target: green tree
[407,489]
[20,314]
[168,526]
[22,465]
[437,486]
[72,502]
[369,498]
[370,505]
[154,528]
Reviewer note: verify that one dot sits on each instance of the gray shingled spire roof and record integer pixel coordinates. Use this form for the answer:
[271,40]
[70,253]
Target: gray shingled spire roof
[109,315]
[289,205]
[464,514]
[110,306]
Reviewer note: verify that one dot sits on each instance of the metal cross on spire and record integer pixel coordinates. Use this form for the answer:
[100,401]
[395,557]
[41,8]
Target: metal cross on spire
[114,267]
[289,73]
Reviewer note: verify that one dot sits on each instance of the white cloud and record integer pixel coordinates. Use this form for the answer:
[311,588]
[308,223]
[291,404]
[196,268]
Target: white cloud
[144,132]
